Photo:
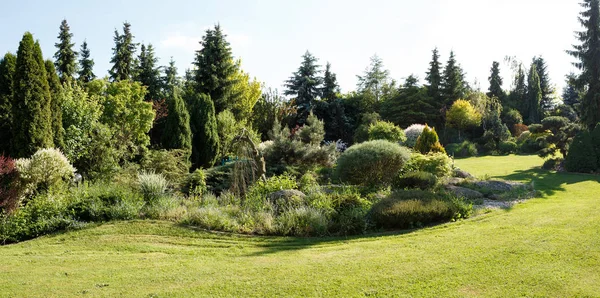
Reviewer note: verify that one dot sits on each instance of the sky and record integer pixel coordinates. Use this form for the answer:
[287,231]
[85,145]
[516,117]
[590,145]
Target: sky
[270,36]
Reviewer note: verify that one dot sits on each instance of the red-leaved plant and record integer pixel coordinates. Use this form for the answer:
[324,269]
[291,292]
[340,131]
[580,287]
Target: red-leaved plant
[9,185]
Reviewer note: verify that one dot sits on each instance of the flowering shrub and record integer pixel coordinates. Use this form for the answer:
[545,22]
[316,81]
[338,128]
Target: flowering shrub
[412,133]
[45,169]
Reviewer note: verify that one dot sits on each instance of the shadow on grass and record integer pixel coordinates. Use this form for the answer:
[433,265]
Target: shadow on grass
[546,182]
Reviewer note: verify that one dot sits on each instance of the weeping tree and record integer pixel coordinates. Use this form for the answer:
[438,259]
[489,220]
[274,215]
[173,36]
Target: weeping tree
[251,165]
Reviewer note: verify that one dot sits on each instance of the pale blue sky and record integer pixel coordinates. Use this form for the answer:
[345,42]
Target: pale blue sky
[271,35]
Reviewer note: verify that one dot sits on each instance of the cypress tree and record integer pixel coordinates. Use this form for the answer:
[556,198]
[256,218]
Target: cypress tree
[495,80]
[214,68]
[453,82]
[31,101]
[534,96]
[56,104]
[86,65]
[304,85]
[123,54]
[205,137]
[147,73]
[7,72]
[330,86]
[66,57]
[588,54]
[177,133]
[517,98]
[434,77]
[545,83]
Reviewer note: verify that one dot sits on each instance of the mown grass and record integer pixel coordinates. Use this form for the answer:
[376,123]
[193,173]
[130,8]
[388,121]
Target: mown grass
[549,246]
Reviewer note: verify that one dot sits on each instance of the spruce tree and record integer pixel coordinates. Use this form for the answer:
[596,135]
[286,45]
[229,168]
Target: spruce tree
[588,54]
[86,65]
[123,54]
[205,137]
[571,92]
[375,80]
[534,96]
[177,133]
[7,72]
[304,85]
[55,104]
[495,80]
[545,83]
[148,73]
[434,77]
[518,95]
[410,105]
[330,86]
[170,78]
[214,68]
[66,57]
[453,82]
[31,101]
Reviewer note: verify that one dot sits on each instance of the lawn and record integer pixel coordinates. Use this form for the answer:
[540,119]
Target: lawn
[548,246]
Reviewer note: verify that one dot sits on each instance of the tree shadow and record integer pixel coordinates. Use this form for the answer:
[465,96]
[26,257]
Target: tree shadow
[547,182]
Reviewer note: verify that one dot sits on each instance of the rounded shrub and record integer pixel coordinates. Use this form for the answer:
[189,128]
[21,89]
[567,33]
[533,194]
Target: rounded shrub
[195,183]
[302,221]
[438,164]
[420,180]
[429,141]
[371,163]
[45,169]
[152,186]
[416,208]
[384,130]
[508,147]
[412,133]
[464,149]
[581,157]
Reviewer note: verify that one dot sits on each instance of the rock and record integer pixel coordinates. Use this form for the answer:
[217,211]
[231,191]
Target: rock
[455,181]
[495,197]
[458,173]
[286,195]
[500,186]
[464,192]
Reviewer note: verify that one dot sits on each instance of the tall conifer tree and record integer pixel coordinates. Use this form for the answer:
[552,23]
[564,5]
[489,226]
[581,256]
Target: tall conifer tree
[205,137]
[588,54]
[66,57]
[545,83]
[305,86]
[86,65]
[177,134]
[214,68]
[330,86]
[434,76]
[534,96]
[453,81]
[495,80]
[31,101]
[148,73]
[123,54]
[56,104]
[7,72]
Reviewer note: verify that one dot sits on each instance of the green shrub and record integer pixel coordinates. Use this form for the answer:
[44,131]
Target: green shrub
[596,143]
[416,208]
[195,183]
[464,149]
[421,180]
[412,133]
[256,197]
[428,142]
[508,147]
[211,218]
[46,169]
[308,182]
[581,157]
[152,186]
[302,222]
[438,164]
[552,164]
[104,202]
[528,143]
[370,163]
[218,179]
[161,209]
[172,164]
[384,130]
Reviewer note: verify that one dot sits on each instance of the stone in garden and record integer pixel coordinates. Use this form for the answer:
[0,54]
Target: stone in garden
[500,186]
[464,192]
[462,174]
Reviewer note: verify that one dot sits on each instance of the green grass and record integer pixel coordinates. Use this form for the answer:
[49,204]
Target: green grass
[548,246]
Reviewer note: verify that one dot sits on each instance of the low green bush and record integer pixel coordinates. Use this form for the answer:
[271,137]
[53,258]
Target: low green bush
[581,157]
[370,163]
[211,218]
[552,164]
[384,130]
[172,164]
[104,202]
[508,147]
[195,183]
[464,149]
[416,208]
[256,197]
[302,222]
[428,142]
[420,180]
[438,164]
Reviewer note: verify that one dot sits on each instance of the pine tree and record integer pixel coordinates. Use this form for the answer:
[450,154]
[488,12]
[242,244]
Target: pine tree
[205,137]
[534,96]
[214,68]
[588,54]
[545,83]
[55,104]
[123,54]
[411,105]
[434,77]
[330,89]
[453,82]
[31,101]
[148,74]
[304,85]
[177,133]
[495,80]
[375,80]
[66,57]
[7,72]
[86,65]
